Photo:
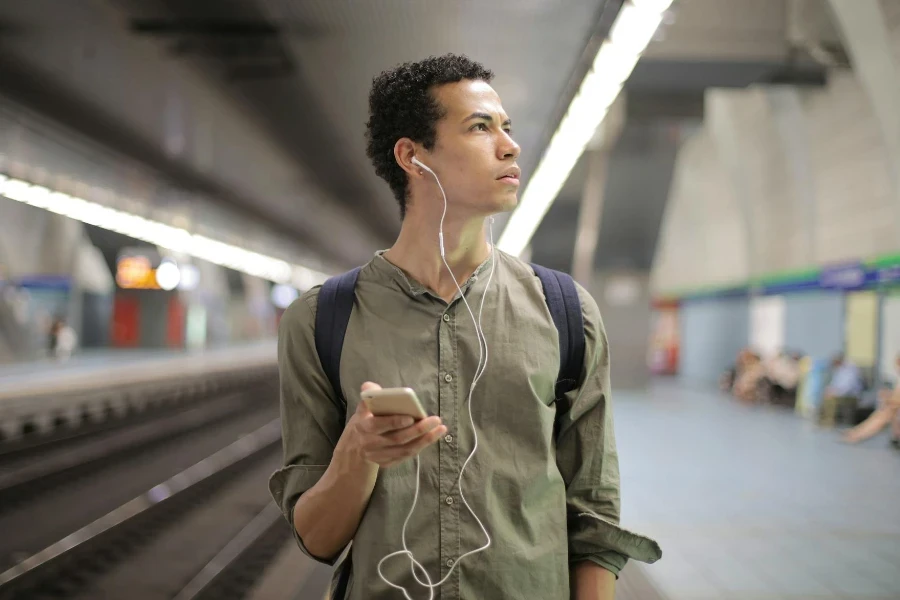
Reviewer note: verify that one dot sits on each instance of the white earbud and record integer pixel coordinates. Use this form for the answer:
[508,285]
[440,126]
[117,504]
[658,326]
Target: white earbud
[416,161]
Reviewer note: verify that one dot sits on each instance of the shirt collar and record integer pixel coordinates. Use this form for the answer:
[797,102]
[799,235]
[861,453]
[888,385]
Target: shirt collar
[413,287]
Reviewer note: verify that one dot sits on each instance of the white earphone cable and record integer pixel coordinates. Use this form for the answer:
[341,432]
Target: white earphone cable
[479,371]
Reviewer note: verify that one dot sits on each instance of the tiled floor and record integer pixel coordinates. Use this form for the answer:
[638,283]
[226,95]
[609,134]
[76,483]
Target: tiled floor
[752,502]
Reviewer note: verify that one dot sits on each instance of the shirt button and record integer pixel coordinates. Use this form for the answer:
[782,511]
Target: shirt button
[449,500]
[448,438]
[450,562]
[446,318]
[448,377]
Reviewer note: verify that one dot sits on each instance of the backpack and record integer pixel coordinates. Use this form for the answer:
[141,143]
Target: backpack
[335,303]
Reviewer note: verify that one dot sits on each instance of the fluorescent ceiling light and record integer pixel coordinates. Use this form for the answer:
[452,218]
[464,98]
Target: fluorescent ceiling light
[632,31]
[160,234]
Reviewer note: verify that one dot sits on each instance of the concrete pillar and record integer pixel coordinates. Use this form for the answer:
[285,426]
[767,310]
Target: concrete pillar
[722,122]
[867,40]
[589,216]
[793,134]
[624,300]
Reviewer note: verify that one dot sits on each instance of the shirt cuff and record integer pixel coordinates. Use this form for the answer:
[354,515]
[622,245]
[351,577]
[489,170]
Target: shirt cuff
[609,560]
[593,538]
[286,486]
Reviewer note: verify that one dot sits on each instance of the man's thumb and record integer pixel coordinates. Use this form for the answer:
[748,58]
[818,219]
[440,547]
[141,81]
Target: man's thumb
[361,407]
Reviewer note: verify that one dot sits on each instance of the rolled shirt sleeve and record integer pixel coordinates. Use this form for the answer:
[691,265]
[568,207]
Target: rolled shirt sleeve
[311,420]
[589,464]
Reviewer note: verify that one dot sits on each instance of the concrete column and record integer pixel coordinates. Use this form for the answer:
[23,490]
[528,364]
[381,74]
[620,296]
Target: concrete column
[589,216]
[868,42]
[722,122]
[624,301]
[793,134]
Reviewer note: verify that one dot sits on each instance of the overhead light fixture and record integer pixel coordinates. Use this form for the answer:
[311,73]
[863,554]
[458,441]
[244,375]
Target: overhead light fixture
[162,235]
[632,30]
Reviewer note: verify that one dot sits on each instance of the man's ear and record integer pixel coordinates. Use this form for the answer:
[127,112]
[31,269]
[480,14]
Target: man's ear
[404,151]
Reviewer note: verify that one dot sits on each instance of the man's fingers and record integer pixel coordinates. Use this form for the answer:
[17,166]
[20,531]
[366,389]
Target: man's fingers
[408,434]
[382,425]
[394,454]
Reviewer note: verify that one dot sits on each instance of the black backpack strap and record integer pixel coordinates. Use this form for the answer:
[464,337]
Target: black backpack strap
[565,308]
[335,304]
[332,316]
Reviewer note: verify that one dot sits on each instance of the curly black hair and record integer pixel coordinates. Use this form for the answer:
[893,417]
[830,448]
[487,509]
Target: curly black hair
[401,104]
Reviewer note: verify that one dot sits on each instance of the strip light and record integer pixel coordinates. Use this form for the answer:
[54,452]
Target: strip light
[160,234]
[635,25]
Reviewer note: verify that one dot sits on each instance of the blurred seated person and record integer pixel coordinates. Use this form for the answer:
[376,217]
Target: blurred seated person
[888,412]
[782,375]
[845,388]
[732,373]
[746,386]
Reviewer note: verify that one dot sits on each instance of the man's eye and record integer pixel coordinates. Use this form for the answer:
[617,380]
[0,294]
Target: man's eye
[508,131]
[480,127]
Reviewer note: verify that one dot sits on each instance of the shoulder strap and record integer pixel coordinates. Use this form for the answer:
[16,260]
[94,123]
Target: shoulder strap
[332,316]
[565,308]
[335,305]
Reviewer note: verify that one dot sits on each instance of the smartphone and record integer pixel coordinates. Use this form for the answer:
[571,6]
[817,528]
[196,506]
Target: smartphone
[394,401]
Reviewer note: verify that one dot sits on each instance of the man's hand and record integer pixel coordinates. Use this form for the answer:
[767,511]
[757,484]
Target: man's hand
[387,440]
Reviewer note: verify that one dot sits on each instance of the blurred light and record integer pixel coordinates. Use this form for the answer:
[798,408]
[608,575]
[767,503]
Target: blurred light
[160,234]
[190,278]
[135,273]
[168,276]
[283,295]
[622,290]
[631,32]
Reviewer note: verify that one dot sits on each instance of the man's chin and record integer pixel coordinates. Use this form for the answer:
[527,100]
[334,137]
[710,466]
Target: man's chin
[508,204]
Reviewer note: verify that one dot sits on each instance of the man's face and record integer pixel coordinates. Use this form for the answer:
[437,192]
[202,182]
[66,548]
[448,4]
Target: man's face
[474,155]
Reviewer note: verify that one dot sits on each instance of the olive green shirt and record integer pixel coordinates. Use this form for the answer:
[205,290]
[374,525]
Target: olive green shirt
[546,500]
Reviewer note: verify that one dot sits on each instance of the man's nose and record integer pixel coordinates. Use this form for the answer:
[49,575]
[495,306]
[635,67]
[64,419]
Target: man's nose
[509,148]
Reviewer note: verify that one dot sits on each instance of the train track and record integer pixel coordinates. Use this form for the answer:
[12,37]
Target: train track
[207,532]
[56,495]
[22,479]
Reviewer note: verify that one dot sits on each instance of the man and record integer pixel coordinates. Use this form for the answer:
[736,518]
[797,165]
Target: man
[549,499]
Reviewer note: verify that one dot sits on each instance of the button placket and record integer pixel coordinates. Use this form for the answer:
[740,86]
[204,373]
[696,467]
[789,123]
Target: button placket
[449,461]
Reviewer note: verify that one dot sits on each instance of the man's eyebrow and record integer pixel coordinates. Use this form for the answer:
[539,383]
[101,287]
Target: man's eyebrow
[485,116]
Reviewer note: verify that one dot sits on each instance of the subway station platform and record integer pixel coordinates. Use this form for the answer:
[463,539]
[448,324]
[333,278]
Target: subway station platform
[747,502]
[100,365]
[43,396]
[751,502]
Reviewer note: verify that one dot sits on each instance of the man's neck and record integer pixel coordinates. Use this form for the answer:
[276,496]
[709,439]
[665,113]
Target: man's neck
[417,251]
